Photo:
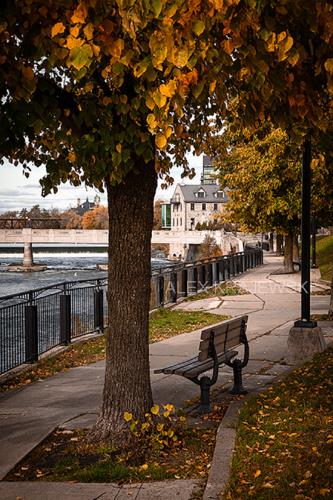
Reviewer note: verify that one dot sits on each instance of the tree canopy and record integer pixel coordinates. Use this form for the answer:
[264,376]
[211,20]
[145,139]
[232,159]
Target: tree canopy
[88,86]
[263,174]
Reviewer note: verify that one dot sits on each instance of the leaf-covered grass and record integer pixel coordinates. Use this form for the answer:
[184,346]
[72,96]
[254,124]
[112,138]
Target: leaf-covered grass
[163,324]
[325,256]
[285,438]
[219,291]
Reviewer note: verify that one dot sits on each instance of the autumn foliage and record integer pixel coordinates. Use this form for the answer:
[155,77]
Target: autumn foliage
[97,218]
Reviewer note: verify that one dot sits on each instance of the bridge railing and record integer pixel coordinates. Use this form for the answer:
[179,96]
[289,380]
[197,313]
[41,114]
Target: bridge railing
[32,223]
[34,322]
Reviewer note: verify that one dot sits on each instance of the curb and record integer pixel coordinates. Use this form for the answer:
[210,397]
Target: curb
[223,453]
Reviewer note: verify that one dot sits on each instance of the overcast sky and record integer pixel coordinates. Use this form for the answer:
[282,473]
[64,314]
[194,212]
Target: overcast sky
[17,192]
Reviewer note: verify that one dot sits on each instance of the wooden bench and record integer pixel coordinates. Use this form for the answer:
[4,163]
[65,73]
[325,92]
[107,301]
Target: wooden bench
[216,347]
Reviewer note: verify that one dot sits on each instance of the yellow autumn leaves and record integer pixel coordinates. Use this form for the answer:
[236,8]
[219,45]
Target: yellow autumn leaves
[154,410]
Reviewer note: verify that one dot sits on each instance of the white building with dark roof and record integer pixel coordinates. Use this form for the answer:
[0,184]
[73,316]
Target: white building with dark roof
[193,204]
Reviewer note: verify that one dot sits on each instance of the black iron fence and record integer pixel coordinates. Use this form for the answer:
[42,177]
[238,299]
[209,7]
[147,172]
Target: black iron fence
[34,322]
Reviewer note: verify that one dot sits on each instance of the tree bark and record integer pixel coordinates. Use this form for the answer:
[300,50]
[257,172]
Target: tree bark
[288,254]
[127,378]
[295,249]
[279,244]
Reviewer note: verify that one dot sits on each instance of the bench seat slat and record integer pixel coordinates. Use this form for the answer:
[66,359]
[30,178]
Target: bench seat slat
[201,368]
[193,365]
[171,368]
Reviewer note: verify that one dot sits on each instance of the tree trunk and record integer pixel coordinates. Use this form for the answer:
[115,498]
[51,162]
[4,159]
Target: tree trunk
[288,254]
[279,244]
[330,309]
[295,249]
[127,379]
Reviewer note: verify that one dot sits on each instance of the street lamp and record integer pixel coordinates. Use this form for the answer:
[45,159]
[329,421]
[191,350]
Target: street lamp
[306,231]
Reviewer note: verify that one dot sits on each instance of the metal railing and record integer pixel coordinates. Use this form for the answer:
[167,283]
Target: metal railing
[32,323]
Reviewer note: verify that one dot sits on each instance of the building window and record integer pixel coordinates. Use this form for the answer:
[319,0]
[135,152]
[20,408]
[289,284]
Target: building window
[220,194]
[215,206]
[173,222]
[203,206]
[177,221]
[180,207]
[180,222]
[201,194]
[192,206]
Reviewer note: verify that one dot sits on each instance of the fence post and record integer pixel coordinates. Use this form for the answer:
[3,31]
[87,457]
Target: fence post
[215,268]
[227,267]
[222,269]
[160,291]
[99,310]
[202,277]
[173,290]
[243,262]
[194,287]
[232,265]
[31,334]
[65,319]
[209,277]
[184,283]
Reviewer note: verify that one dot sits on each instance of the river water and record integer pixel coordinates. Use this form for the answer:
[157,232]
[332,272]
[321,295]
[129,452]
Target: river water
[61,266]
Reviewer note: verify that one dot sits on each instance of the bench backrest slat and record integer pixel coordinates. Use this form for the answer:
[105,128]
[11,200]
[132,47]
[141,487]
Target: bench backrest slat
[226,336]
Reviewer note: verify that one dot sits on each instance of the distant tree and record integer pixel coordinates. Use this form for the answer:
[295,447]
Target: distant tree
[158,214]
[98,218]
[209,248]
[263,172]
[37,212]
[69,219]
[9,214]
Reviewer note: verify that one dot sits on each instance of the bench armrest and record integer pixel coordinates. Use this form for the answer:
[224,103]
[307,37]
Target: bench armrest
[244,341]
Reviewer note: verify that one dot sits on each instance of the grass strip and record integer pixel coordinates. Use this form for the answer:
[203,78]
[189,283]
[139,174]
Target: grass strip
[285,438]
[324,247]
[221,290]
[163,324]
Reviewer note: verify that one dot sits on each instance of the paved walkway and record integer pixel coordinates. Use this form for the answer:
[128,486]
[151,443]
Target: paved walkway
[72,399]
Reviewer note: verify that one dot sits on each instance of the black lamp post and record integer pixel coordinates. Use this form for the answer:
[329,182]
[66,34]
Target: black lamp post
[314,252]
[306,231]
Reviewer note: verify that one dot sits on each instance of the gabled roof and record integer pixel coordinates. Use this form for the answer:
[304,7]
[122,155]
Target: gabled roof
[189,191]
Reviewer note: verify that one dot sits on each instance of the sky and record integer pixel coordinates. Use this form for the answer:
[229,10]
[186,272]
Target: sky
[17,191]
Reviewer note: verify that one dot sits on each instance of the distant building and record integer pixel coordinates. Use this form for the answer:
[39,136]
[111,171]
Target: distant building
[197,203]
[87,205]
[208,174]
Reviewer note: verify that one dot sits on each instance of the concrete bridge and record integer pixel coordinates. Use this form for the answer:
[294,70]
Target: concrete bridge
[182,244]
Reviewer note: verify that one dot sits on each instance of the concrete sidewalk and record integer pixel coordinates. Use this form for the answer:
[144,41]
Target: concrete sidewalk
[72,398]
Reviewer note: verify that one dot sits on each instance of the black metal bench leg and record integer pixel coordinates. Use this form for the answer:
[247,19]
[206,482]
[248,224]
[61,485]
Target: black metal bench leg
[205,384]
[238,383]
